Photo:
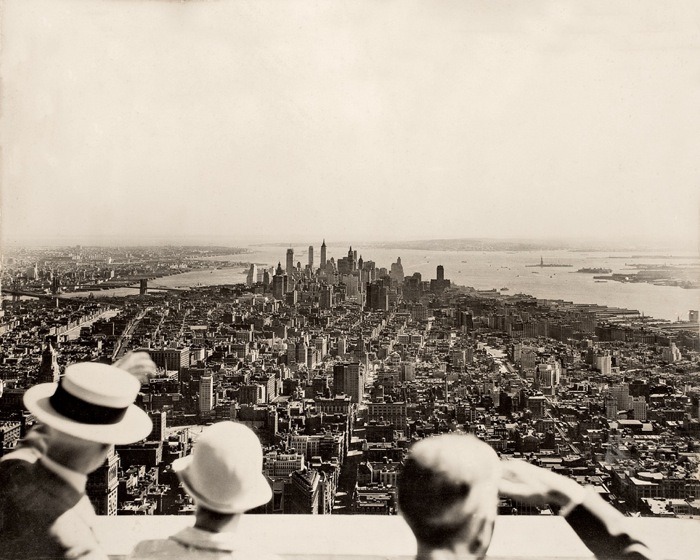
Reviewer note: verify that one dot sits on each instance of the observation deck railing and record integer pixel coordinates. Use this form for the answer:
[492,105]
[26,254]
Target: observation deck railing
[365,537]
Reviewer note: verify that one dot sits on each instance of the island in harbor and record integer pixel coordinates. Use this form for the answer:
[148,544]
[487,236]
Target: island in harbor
[654,277]
[548,265]
[595,270]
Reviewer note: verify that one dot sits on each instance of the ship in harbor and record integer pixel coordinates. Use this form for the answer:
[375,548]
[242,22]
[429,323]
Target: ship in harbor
[549,265]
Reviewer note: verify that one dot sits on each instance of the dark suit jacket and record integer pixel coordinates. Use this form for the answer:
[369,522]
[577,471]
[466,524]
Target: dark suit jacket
[42,516]
[605,532]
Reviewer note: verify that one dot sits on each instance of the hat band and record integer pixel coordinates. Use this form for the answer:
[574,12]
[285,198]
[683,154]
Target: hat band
[82,411]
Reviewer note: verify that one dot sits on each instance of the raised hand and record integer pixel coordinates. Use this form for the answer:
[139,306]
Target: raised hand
[481,506]
[537,486]
[138,364]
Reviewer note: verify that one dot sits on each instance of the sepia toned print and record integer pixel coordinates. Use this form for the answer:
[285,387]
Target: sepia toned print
[371,279]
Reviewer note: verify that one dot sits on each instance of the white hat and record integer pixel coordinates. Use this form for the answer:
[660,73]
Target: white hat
[458,457]
[92,401]
[224,472]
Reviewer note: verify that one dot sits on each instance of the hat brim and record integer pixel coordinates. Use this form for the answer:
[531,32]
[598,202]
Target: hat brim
[135,426]
[258,493]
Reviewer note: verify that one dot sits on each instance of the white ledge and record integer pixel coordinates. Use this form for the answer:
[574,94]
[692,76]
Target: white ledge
[365,537]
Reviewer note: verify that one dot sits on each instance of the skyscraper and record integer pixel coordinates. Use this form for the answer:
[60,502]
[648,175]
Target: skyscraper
[103,484]
[396,272]
[352,259]
[621,394]
[206,394]
[639,408]
[290,261]
[610,407]
[439,284]
[377,296]
[311,257]
[323,255]
[326,297]
[252,276]
[354,383]
[671,354]
[159,432]
[278,283]
[49,370]
[348,380]
[340,372]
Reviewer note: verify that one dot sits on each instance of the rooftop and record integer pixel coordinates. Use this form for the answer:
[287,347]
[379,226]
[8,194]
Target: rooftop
[335,537]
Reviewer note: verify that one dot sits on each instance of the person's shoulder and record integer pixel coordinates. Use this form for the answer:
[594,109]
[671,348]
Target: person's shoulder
[16,471]
[171,548]
[26,486]
[20,458]
[157,548]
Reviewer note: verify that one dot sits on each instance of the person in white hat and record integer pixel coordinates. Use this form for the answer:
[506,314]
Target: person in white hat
[223,475]
[448,495]
[44,512]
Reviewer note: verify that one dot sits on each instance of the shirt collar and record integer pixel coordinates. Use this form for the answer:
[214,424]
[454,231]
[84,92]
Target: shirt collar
[198,538]
[75,479]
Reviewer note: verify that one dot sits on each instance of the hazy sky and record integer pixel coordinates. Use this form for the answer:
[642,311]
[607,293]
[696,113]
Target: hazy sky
[350,119]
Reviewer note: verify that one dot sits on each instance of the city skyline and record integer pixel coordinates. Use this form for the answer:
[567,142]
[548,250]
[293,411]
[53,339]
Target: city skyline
[339,365]
[265,122]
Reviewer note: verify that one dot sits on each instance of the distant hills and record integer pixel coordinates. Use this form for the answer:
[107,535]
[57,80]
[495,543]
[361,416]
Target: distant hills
[471,245]
[635,247]
[491,244]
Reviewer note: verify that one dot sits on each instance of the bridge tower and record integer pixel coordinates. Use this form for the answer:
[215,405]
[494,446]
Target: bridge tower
[143,286]
[16,285]
[55,285]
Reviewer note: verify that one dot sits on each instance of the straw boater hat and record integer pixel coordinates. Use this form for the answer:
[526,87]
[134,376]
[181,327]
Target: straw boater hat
[224,472]
[93,402]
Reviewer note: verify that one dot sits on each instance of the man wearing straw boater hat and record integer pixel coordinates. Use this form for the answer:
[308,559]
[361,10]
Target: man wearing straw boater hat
[44,511]
[223,475]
